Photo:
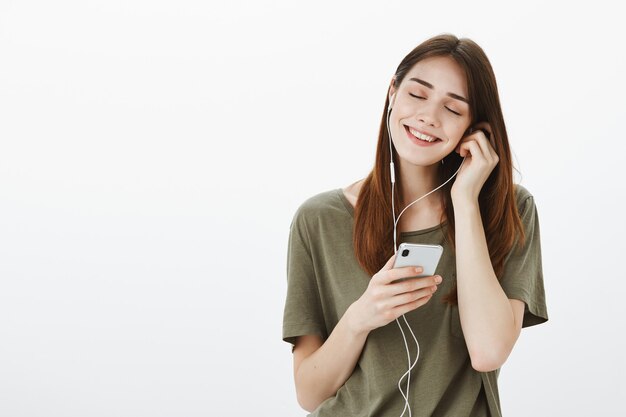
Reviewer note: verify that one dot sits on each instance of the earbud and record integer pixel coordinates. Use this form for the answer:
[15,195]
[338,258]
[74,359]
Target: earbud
[391,101]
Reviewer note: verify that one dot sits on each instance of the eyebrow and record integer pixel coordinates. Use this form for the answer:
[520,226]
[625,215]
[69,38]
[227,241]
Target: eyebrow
[429,85]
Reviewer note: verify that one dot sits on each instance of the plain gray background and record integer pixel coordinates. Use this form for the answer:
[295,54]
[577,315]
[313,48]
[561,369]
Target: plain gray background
[153,153]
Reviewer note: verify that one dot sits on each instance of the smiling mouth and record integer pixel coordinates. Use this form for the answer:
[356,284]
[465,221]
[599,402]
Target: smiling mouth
[421,137]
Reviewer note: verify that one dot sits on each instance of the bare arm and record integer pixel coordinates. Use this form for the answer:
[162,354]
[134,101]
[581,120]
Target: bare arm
[321,368]
[491,322]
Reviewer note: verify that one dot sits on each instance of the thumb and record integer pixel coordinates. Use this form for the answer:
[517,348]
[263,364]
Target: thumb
[389,264]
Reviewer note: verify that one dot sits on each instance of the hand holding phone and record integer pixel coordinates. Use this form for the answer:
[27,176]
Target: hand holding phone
[396,289]
[415,254]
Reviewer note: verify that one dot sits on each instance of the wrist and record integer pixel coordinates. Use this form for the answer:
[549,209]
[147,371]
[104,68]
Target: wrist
[462,201]
[353,321]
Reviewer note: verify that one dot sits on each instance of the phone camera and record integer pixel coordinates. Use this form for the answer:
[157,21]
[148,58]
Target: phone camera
[405,252]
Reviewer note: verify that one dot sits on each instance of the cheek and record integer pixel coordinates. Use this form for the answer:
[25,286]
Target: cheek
[454,144]
[458,132]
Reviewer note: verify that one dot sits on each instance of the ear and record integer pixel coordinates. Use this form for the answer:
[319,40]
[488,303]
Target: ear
[392,91]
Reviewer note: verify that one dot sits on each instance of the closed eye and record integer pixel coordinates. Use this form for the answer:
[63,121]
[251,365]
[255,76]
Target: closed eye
[424,98]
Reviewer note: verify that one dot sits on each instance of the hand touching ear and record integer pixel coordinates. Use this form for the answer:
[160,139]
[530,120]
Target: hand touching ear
[480,160]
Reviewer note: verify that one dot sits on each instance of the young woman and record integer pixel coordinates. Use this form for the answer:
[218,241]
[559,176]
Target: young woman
[350,323]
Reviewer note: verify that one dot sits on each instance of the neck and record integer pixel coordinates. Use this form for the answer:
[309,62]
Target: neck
[416,181]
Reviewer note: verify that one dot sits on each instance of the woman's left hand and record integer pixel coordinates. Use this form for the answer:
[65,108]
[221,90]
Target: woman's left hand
[480,160]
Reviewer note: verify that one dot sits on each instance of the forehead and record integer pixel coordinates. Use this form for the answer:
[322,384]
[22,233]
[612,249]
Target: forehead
[444,73]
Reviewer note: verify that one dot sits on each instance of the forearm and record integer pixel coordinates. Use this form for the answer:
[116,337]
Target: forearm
[486,315]
[320,375]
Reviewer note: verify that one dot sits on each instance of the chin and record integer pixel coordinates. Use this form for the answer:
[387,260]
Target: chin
[421,161]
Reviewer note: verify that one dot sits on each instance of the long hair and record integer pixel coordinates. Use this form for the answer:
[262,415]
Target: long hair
[373,224]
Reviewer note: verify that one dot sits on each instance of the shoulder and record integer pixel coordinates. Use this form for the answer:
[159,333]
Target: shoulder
[324,204]
[523,197]
[527,208]
[320,218]
[318,203]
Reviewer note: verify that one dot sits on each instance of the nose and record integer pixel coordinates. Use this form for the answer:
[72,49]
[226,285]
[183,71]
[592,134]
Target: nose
[427,115]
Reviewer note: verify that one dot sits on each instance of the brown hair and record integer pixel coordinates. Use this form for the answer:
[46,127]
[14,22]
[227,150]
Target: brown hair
[373,225]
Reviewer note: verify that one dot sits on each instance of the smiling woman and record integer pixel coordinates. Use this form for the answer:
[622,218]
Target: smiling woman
[442,97]
[444,139]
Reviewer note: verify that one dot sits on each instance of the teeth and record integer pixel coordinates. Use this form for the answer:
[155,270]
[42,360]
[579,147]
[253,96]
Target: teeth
[421,136]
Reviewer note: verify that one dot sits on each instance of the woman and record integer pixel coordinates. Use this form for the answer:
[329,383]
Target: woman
[444,117]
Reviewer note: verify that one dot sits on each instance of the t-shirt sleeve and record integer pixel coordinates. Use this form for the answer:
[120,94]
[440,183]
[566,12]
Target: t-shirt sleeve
[522,278]
[303,313]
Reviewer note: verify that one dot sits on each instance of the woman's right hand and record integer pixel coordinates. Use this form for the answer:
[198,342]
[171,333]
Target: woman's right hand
[384,301]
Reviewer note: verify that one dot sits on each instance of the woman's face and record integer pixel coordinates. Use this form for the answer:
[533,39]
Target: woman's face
[428,101]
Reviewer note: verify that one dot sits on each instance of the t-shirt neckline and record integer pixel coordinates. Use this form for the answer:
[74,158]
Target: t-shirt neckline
[350,209]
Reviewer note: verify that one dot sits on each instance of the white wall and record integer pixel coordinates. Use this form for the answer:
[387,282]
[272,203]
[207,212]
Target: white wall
[144,143]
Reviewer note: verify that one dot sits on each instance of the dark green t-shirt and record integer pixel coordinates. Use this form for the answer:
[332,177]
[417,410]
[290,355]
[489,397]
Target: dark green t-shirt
[324,279]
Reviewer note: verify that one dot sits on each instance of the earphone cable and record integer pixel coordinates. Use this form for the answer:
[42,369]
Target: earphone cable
[395,249]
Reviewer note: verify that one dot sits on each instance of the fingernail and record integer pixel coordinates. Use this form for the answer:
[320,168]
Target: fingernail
[418,269]
[438,279]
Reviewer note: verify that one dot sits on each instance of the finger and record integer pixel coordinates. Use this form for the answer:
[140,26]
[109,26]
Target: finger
[403,272]
[389,263]
[378,276]
[467,139]
[458,146]
[477,150]
[488,151]
[491,139]
[405,308]
[473,149]
[412,284]
[485,147]
[407,297]
[486,126]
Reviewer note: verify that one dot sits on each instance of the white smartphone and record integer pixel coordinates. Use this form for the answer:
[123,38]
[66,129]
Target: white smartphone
[417,254]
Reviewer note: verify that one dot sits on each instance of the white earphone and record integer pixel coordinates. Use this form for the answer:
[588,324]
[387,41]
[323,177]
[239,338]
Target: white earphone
[395,249]
[391,101]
